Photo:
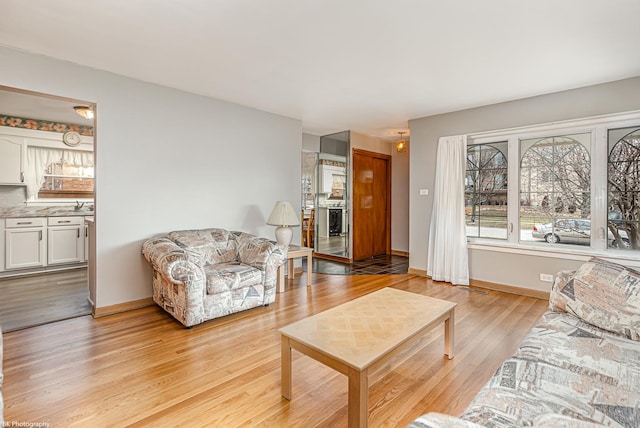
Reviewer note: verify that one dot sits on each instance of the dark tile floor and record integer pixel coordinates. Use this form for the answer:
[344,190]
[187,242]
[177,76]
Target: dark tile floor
[384,264]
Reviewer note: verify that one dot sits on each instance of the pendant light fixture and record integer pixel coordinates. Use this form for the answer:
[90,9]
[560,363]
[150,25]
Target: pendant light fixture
[401,145]
[84,111]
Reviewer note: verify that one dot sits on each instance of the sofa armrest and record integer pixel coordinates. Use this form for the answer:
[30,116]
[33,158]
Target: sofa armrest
[172,261]
[440,420]
[557,302]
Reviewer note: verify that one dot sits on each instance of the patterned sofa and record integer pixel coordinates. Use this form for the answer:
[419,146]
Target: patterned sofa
[578,367]
[203,274]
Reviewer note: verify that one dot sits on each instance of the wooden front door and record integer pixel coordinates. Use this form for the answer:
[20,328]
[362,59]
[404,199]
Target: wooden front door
[371,204]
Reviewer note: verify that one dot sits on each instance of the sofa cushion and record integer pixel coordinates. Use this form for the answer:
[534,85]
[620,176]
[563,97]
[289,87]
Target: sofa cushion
[230,276]
[208,246]
[565,366]
[604,294]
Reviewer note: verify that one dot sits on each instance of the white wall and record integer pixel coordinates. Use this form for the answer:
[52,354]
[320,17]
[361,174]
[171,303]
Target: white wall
[167,160]
[310,143]
[400,199]
[504,268]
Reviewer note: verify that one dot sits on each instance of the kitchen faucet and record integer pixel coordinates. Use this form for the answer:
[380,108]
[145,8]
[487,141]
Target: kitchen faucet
[79,206]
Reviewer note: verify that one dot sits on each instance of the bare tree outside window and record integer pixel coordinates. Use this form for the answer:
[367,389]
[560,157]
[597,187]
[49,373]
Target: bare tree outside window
[486,190]
[555,184]
[623,182]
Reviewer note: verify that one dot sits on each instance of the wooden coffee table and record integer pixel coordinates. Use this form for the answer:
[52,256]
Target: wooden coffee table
[363,337]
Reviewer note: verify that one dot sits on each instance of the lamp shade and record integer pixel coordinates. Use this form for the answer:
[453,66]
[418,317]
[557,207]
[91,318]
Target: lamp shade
[283,215]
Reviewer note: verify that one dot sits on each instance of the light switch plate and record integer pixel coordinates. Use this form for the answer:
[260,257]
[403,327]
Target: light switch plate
[424,192]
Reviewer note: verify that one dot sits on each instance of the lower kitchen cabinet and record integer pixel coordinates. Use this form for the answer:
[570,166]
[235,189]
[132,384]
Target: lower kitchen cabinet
[25,243]
[66,240]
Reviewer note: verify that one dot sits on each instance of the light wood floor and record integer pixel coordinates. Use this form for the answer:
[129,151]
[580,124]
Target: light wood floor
[142,368]
[31,300]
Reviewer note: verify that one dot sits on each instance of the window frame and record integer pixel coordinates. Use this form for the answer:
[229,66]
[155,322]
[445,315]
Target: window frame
[598,127]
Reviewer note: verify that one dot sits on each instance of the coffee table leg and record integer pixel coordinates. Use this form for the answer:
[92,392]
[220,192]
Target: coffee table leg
[358,398]
[285,361]
[449,326]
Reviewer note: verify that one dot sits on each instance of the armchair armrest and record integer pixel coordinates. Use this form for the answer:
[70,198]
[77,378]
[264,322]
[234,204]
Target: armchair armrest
[172,261]
[261,253]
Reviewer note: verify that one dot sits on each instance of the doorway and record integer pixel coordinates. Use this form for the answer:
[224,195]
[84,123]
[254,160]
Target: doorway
[55,285]
[371,204]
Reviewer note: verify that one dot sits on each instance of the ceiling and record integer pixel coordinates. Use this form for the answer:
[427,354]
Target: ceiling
[364,65]
[43,108]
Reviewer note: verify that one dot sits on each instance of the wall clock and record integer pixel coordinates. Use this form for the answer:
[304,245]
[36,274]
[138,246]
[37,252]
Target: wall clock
[71,139]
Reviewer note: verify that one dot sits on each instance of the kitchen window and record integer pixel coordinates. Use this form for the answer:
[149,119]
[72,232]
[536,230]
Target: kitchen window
[55,173]
[64,180]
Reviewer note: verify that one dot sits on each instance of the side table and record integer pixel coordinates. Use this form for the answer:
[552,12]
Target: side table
[295,251]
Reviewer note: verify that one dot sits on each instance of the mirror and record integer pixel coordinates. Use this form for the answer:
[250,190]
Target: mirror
[331,199]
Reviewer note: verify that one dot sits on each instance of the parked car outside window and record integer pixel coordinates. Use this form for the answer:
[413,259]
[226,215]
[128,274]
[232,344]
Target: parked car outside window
[572,231]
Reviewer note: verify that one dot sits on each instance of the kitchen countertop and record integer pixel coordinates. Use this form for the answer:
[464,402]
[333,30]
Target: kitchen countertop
[56,211]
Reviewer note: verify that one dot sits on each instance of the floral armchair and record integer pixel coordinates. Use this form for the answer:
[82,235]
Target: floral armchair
[204,274]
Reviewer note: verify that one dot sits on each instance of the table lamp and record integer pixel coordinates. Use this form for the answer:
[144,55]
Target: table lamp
[283,216]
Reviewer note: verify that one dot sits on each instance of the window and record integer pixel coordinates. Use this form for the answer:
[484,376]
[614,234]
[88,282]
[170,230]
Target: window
[623,185]
[486,190]
[578,186]
[64,180]
[555,184]
[55,173]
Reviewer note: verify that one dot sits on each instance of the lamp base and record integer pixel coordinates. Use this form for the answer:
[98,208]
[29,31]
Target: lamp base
[284,234]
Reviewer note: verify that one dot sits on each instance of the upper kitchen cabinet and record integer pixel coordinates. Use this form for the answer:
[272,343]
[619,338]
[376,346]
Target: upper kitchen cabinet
[11,161]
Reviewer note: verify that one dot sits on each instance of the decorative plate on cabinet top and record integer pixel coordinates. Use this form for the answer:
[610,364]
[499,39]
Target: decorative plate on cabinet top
[71,139]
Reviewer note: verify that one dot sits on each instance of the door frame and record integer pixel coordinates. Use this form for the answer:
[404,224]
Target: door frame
[387,159]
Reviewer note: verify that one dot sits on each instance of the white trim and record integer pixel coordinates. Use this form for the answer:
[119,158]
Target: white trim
[51,139]
[570,124]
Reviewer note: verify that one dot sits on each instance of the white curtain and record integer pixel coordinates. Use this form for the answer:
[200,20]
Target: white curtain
[39,158]
[448,258]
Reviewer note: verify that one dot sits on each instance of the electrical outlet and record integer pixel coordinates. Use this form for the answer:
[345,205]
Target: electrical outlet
[546,278]
[424,192]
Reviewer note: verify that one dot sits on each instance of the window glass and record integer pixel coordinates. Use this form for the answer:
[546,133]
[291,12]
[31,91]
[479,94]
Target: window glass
[555,189]
[64,180]
[623,185]
[486,190]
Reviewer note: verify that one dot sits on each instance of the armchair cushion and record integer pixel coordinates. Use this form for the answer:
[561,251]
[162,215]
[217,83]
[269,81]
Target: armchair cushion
[230,276]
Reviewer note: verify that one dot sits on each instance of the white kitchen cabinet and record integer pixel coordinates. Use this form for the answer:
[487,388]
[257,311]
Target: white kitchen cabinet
[66,240]
[10,160]
[86,242]
[25,243]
